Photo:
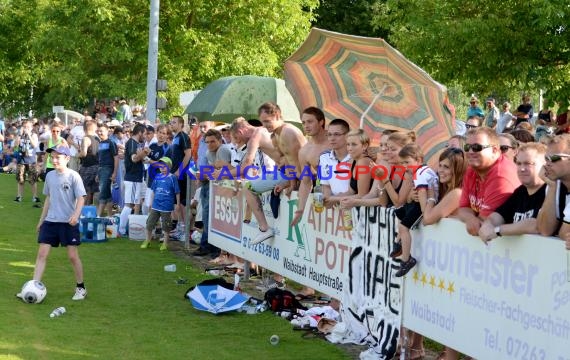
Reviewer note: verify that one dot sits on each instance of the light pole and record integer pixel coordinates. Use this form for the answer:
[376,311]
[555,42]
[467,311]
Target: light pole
[152,61]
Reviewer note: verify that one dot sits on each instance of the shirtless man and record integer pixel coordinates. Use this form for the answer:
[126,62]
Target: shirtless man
[289,141]
[253,148]
[313,120]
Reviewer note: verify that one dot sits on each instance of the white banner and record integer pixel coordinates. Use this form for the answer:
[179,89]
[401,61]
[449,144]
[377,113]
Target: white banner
[314,253]
[507,300]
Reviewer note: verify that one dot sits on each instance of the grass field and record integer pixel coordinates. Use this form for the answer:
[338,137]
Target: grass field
[134,309]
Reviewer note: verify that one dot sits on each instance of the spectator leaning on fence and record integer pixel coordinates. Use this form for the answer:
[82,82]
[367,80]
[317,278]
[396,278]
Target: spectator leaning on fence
[554,215]
[518,214]
[313,120]
[489,180]
[334,185]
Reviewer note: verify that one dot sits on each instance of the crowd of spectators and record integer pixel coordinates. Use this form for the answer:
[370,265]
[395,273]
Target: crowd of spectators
[501,175]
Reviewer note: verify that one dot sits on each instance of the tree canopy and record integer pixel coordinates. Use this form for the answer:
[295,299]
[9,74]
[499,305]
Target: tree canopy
[70,51]
[486,46]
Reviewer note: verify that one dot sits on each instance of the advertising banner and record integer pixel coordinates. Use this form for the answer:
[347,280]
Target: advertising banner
[509,299]
[314,253]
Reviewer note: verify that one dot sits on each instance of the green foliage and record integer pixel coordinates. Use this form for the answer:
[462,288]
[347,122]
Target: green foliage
[488,47]
[75,50]
[349,17]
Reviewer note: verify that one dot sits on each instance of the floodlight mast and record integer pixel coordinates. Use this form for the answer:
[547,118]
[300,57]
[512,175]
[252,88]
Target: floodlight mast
[152,74]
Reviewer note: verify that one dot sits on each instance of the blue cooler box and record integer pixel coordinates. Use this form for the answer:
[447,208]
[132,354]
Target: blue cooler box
[93,229]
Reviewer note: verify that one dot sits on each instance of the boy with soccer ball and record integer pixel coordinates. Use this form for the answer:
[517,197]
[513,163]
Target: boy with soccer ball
[59,221]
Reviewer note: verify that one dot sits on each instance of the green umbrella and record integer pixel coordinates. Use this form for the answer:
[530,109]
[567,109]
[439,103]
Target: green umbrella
[230,97]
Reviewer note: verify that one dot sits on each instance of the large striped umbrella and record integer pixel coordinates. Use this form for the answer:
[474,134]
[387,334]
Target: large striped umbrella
[370,84]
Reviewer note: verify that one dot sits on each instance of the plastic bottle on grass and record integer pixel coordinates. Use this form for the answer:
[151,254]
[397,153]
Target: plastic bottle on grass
[57,312]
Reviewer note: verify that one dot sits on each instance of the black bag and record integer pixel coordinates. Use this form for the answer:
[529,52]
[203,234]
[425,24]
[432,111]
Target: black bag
[280,300]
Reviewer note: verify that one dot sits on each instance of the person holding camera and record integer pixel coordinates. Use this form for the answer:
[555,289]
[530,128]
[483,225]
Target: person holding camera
[26,142]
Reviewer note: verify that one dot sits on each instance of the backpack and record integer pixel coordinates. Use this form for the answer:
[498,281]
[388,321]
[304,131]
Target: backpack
[279,300]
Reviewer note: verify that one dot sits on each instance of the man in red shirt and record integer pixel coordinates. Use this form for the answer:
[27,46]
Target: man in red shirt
[489,180]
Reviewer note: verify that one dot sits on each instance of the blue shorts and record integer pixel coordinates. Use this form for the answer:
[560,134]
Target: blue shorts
[56,233]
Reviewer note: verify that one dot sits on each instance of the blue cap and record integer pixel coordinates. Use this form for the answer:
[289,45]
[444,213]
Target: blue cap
[62,149]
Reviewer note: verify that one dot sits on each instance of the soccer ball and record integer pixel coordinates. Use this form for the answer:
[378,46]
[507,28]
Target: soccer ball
[33,292]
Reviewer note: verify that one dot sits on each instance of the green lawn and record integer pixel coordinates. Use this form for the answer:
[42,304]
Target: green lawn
[134,309]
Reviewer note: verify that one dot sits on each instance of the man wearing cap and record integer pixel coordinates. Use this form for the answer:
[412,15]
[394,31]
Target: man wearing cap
[493,114]
[474,109]
[59,221]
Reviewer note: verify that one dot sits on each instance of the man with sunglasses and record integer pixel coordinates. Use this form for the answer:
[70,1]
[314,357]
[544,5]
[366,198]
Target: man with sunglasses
[518,214]
[488,181]
[554,215]
[472,122]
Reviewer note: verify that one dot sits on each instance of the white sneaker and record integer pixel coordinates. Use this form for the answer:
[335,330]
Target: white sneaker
[262,236]
[80,294]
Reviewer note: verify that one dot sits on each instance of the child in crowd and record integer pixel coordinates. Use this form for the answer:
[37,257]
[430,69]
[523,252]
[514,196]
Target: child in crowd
[165,194]
[423,177]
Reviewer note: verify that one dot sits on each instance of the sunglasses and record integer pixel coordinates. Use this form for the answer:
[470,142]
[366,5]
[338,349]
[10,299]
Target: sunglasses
[505,148]
[476,147]
[555,157]
[469,126]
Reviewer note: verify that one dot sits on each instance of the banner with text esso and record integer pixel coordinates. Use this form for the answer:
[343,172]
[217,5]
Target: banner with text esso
[226,212]
[314,253]
[509,299]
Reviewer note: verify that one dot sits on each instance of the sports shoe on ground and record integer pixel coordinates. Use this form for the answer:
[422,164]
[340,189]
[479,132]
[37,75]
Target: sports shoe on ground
[80,294]
[406,266]
[18,199]
[35,199]
[163,247]
[262,236]
[397,250]
[145,244]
